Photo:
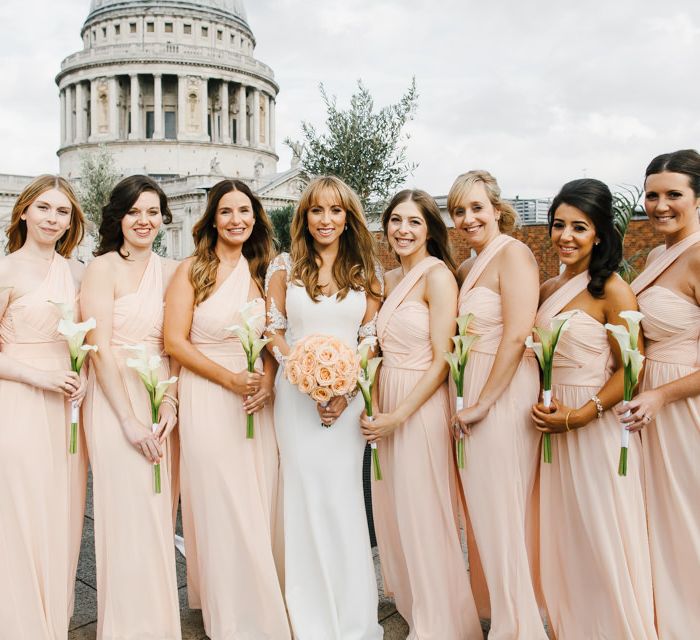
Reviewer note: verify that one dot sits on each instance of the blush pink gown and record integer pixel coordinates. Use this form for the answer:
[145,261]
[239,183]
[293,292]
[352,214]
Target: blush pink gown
[41,484]
[671,446]
[136,583]
[230,483]
[501,457]
[596,571]
[413,506]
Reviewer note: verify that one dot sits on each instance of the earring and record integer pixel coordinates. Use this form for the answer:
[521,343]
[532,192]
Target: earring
[597,242]
[346,228]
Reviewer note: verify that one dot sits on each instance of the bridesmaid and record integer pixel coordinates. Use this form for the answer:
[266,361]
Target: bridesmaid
[596,572]
[669,405]
[123,290]
[229,481]
[499,286]
[414,501]
[42,486]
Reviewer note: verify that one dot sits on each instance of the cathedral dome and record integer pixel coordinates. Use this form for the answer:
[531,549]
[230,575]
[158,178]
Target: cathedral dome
[229,8]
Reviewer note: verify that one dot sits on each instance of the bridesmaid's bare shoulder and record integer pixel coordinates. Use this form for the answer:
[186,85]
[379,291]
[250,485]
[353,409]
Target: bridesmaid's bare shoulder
[104,266]
[618,294]
[5,270]
[653,254]
[517,254]
[548,287]
[77,270]
[439,277]
[391,279]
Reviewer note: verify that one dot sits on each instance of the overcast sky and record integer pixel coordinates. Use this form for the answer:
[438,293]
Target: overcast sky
[536,92]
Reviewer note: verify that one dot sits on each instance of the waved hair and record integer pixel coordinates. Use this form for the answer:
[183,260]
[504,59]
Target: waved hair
[16,231]
[464,183]
[685,161]
[122,198]
[593,198]
[257,249]
[355,265]
[438,243]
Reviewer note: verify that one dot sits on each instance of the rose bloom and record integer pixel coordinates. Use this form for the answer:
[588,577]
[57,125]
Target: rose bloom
[311,343]
[327,353]
[346,364]
[293,372]
[307,384]
[321,394]
[324,375]
[340,386]
[308,363]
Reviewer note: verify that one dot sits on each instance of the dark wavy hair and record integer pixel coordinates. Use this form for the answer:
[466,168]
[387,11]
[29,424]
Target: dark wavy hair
[685,161]
[595,200]
[438,244]
[257,249]
[122,198]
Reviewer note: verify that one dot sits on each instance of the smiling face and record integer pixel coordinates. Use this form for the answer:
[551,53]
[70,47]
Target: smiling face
[671,204]
[142,222]
[407,230]
[476,217]
[48,217]
[573,236]
[234,218]
[326,219]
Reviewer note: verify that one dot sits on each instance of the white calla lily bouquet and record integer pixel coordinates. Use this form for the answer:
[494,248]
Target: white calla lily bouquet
[457,359]
[544,350]
[74,333]
[249,333]
[148,368]
[632,361]
[365,382]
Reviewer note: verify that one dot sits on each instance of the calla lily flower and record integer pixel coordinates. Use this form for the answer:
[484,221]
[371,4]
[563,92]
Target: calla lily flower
[75,333]
[367,343]
[622,335]
[537,348]
[633,320]
[66,310]
[463,323]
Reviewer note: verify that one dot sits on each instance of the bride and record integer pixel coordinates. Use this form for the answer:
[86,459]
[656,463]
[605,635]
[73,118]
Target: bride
[327,285]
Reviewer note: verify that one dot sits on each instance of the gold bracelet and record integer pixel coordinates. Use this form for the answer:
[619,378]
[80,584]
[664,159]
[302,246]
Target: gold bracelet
[598,406]
[567,420]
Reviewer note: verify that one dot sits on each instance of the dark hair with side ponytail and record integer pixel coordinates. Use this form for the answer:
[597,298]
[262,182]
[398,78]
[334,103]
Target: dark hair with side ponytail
[593,198]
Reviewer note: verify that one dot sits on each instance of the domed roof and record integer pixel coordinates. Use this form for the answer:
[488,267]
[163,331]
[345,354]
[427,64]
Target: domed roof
[232,7]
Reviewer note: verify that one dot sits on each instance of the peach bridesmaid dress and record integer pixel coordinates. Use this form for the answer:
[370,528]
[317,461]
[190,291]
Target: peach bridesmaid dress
[229,482]
[501,456]
[136,583]
[40,510]
[413,506]
[596,571]
[671,447]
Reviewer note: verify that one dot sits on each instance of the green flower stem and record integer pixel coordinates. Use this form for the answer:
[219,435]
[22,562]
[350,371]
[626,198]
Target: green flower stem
[73,444]
[154,428]
[622,465]
[375,454]
[459,405]
[250,420]
[547,448]
[460,452]
[547,438]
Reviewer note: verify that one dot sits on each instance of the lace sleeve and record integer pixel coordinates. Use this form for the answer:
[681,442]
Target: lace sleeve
[283,262]
[275,294]
[368,328]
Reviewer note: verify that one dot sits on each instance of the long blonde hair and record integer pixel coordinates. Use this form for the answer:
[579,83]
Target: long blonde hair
[257,249]
[17,229]
[462,186]
[355,266]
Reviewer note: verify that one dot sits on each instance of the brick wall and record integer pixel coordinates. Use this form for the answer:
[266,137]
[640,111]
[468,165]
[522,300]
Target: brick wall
[639,240]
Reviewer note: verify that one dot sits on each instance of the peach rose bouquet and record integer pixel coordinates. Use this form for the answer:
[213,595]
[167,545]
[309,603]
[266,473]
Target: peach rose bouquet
[322,367]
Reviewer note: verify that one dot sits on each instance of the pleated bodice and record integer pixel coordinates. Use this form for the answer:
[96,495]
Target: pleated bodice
[486,306]
[406,340]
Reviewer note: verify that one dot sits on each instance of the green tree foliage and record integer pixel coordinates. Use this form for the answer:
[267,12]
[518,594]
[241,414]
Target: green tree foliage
[363,147]
[625,205]
[281,219]
[98,175]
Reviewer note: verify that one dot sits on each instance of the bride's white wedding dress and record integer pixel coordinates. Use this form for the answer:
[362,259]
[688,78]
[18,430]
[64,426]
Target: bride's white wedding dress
[330,584]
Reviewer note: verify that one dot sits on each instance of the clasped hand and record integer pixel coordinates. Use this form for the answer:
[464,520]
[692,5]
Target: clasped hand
[256,389]
[330,411]
[552,419]
[381,425]
[463,420]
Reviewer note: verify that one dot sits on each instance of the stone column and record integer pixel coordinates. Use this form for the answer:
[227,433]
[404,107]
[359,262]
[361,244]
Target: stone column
[135,133]
[181,106]
[225,135]
[265,123]
[113,108]
[271,120]
[69,114]
[255,108]
[92,124]
[204,101]
[242,126]
[79,113]
[158,133]
[62,97]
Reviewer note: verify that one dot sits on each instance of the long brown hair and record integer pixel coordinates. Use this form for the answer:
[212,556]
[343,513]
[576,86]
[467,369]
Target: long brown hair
[17,229]
[257,249]
[438,243]
[463,184]
[355,265]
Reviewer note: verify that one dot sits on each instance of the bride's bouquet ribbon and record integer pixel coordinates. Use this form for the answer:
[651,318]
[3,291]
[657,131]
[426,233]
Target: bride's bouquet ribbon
[74,333]
[148,368]
[544,350]
[365,382]
[249,333]
[632,361]
[457,359]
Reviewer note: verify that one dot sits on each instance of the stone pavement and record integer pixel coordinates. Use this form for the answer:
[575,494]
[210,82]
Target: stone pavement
[84,619]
